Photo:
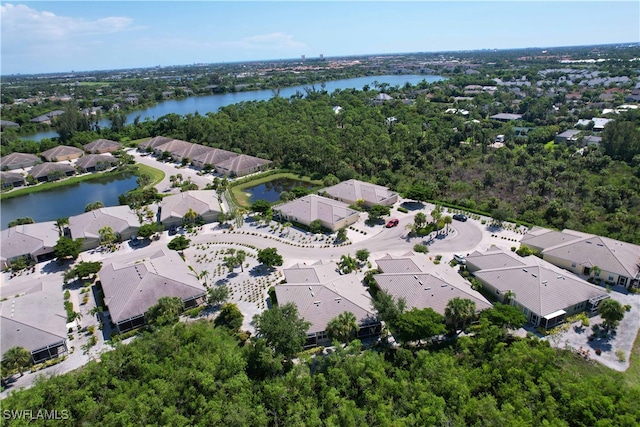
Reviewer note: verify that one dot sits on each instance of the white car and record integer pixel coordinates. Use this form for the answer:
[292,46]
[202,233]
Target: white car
[460,258]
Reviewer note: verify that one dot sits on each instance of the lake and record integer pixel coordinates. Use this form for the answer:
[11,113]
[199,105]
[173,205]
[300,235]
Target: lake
[271,190]
[212,103]
[68,200]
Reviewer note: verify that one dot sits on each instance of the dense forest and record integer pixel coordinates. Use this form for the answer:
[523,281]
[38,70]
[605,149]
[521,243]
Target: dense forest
[195,374]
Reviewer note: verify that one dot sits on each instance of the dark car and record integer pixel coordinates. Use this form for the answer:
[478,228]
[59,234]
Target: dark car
[460,217]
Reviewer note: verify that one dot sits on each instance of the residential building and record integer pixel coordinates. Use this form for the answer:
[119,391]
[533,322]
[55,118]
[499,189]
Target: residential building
[545,293]
[33,316]
[506,117]
[241,165]
[153,143]
[212,157]
[51,171]
[592,140]
[405,277]
[204,203]
[569,136]
[6,124]
[62,152]
[47,118]
[618,262]
[134,282]
[101,146]
[95,162]
[19,161]
[121,219]
[175,147]
[11,179]
[332,214]
[320,293]
[352,191]
[29,241]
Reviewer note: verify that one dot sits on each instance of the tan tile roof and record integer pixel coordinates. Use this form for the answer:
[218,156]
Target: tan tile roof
[88,224]
[30,239]
[354,190]
[61,151]
[201,201]
[101,144]
[18,160]
[46,169]
[312,207]
[240,163]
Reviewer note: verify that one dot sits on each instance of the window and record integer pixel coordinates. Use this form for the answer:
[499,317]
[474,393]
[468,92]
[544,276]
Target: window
[573,264]
[610,277]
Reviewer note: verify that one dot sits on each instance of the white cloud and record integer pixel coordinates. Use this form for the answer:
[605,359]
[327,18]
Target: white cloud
[272,41]
[22,24]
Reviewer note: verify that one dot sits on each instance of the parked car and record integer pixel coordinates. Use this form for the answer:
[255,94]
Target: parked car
[392,223]
[460,258]
[460,217]
[135,241]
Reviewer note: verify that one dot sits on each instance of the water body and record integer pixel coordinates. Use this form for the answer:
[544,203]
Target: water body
[68,200]
[271,190]
[212,103]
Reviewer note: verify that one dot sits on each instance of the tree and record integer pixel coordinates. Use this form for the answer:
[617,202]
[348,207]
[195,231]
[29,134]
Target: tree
[68,122]
[459,311]
[388,308]
[416,325]
[241,256]
[147,230]
[504,316]
[83,270]
[60,223]
[230,317]
[231,262]
[261,206]
[378,211]
[179,243]
[419,193]
[269,257]
[612,312]
[17,358]
[93,206]
[283,329]
[21,221]
[347,264]
[218,295]
[341,235]
[499,215]
[362,255]
[343,327]
[189,218]
[67,248]
[166,311]
[448,220]
[420,220]
[316,226]
[107,236]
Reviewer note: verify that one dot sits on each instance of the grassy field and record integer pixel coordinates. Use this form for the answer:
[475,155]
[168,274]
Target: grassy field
[156,174]
[135,142]
[243,199]
[632,374]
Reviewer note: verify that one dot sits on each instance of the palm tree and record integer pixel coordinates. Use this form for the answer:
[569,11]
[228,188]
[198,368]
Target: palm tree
[60,223]
[347,264]
[448,220]
[107,236]
[612,312]
[459,311]
[509,297]
[17,358]
[240,257]
[190,217]
[343,327]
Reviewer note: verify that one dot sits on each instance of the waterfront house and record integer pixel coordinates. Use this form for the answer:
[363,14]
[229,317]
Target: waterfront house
[152,143]
[11,179]
[95,162]
[331,213]
[241,165]
[212,157]
[122,219]
[352,191]
[51,171]
[204,203]
[134,282]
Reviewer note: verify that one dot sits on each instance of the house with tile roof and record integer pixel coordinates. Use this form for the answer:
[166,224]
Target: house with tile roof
[62,152]
[51,171]
[101,146]
[204,203]
[320,293]
[134,282]
[11,179]
[30,241]
[95,162]
[332,214]
[19,161]
[154,142]
[618,262]
[506,117]
[241,165]
[176,147]
[122,219]
[212,157]
[7,124]
[351,191]
[546,294]
[33,316]
[405,277]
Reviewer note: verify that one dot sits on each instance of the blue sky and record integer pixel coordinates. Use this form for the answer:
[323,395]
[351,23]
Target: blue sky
[40,37]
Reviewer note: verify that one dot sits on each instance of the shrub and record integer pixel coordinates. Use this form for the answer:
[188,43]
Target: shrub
[627,308]
[620,355]
[403,210]
[598,351]
[421,248]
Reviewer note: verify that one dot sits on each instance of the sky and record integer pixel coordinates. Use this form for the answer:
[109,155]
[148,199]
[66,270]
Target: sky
[46,37]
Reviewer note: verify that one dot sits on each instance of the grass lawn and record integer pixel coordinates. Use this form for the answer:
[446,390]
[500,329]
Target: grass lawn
[632,374]
[135,142]
[243,200]
[156,174]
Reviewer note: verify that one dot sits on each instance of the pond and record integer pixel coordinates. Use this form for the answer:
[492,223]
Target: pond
[271,190]
[67,201]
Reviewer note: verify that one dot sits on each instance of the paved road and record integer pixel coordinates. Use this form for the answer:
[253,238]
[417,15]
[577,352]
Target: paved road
[170,169]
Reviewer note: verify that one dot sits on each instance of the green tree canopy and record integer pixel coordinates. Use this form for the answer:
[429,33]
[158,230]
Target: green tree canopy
[269,257]
[218,294]
[459,312]
[416,325]
[16,358]
[504,316]
[166,311]
[388,308]
[230,317]
[378,211]
[67,248]
[179,243]
[612,312]
[283,329]
[147,230]
[343,327]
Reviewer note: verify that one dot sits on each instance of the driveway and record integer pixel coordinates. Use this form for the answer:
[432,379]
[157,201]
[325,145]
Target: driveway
[169,169]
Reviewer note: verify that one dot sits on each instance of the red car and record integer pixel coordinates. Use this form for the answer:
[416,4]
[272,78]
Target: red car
[392,223]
